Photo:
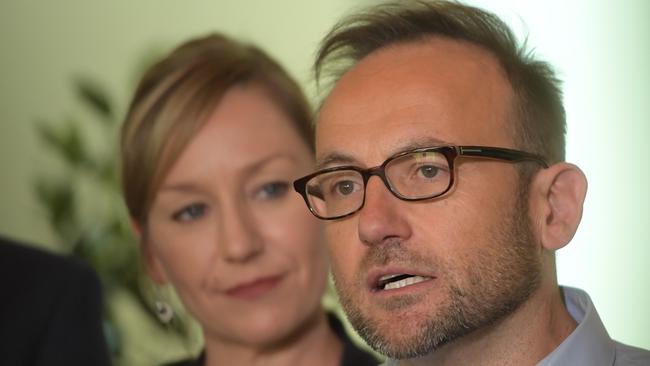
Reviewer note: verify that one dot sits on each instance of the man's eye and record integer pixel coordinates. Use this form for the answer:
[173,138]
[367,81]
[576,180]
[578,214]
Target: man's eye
[428,171]
[345,187]
[190,213]
[273,190]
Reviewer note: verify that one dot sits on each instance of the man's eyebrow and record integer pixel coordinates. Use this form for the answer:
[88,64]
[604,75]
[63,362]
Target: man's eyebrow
[335,158]
[418,143]
[338,158]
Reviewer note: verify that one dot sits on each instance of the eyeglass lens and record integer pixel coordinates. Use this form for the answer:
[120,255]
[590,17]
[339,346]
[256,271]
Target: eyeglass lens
[415,175]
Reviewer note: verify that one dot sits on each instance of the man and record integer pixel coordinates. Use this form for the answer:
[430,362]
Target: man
[441,173]
[51,310]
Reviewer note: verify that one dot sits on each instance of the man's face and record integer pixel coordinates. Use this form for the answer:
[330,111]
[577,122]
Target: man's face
[470,256]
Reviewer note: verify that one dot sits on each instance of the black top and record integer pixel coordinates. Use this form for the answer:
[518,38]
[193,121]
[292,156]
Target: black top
[50,310]
[352,355]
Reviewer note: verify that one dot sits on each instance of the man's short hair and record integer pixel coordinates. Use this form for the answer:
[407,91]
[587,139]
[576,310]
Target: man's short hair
[538,109]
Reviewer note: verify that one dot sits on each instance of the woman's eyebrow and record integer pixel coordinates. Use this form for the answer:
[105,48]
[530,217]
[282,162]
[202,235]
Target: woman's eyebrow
[181,187]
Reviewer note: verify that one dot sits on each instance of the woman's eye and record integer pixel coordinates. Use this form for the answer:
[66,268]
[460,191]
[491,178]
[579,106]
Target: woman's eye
[190,213]
[273,190]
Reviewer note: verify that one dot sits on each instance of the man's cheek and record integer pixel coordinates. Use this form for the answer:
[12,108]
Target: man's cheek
[340,239]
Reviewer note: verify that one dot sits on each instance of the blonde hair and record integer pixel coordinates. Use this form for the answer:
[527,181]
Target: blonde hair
[176,96]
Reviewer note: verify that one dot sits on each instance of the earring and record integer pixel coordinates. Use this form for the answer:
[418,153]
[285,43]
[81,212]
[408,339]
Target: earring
[164,311]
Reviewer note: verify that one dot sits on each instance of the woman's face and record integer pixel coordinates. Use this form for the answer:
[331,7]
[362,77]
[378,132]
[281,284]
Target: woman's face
[227,230]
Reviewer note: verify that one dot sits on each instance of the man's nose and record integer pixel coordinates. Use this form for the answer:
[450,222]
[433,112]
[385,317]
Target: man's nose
[381,217]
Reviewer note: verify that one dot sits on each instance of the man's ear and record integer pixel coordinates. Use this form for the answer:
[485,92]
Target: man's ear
[557,196]
[150,261]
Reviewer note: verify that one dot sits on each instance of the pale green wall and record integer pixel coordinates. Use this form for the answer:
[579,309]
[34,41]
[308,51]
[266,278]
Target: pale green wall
[601,49]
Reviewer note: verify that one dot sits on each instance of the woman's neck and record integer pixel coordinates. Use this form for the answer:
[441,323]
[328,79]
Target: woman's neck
[314,343]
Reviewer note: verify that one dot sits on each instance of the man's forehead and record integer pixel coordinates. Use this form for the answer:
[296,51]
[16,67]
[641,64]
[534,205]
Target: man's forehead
[416,58]
[438,88]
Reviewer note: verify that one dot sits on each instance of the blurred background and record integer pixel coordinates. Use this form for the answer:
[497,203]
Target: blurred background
[68,69]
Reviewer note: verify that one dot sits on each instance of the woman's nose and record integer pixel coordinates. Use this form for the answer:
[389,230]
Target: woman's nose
[239,240]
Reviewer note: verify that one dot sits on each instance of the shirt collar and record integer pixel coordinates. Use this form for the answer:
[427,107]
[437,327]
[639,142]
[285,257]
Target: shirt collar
[589,343]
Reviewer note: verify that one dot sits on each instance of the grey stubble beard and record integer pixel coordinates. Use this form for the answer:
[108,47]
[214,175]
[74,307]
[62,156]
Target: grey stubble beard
[495,284]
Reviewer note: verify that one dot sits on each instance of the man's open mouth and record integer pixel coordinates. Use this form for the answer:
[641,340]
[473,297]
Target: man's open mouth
[399,280]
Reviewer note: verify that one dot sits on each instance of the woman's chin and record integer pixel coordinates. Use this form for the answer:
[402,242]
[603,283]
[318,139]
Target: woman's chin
[264,329]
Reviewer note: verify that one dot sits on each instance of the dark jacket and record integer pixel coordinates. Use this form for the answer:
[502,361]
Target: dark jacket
[50,310]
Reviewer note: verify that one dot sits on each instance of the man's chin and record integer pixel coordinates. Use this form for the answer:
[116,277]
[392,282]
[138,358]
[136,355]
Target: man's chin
[412,342]
[405,344]
[400,334]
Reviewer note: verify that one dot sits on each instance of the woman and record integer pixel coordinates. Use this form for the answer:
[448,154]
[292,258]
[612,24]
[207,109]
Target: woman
[215,135]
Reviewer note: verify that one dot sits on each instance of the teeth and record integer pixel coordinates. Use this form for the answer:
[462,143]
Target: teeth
[388,277]
[404,282]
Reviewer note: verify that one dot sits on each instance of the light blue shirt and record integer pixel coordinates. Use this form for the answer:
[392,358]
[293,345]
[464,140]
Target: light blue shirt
[588,344]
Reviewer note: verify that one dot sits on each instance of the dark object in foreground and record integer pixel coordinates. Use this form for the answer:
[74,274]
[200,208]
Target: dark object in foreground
[51,309]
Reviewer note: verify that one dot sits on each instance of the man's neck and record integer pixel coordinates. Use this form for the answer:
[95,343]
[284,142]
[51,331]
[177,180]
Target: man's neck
[524,337]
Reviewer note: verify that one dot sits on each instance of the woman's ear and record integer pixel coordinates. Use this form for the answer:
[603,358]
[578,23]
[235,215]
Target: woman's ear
[150,261]
[557,197]
[137,229]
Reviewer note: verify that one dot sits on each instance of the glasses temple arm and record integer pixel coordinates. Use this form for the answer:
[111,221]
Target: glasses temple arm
[501,154]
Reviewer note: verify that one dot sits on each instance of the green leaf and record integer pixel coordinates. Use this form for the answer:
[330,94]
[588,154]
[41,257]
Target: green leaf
[95,97]
[67,143]
[107,172]
[49,135]
[74,148]
[58,199]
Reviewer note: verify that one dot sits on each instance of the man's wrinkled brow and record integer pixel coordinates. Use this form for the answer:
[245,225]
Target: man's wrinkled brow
[335,159]
[338,158]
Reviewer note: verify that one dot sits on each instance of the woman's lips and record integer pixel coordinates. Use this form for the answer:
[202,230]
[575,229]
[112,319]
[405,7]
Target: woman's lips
[254,289]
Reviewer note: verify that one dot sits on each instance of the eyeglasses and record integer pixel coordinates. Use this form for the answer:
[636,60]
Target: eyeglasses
[413,175]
